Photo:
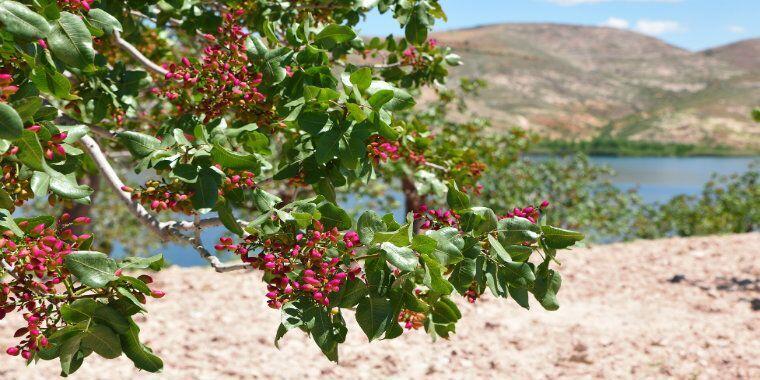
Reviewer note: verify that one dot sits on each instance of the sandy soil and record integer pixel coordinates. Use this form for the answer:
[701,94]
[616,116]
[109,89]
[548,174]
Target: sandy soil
[677,308]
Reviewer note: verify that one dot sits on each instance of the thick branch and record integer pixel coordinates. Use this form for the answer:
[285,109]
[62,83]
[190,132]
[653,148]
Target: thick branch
[129,48]
[113,179]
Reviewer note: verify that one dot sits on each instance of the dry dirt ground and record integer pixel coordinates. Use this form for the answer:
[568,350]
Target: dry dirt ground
[675,308]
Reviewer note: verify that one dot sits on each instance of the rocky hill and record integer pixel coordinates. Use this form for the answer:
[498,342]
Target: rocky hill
[578,82]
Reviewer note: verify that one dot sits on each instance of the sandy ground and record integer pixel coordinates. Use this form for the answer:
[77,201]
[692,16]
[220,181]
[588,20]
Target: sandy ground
[624,314]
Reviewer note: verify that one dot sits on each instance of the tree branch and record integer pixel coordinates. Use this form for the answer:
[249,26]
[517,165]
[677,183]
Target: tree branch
[167,231]
[206,255]
[113,179]
[129,48]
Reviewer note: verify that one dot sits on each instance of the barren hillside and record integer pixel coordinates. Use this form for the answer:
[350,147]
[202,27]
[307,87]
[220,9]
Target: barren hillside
[579,81]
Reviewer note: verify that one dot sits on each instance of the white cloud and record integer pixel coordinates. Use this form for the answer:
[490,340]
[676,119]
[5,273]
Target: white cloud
[614,22]
[577,2]
[657,27]
[736,29]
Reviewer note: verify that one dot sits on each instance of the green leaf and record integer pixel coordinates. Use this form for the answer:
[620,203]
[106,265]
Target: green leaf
[313,122]
[6,202]
[401,98]
[103,20]
[51,82]
[102,340]
[83,310]
[22,22]
[155,262]
[462,275]
[479,220]
[498,249]
[66,186]
[234,160]
[433,277]
[334,34]
[11,125]
[369,223]
[446,311]
[456,199]
[517,230]
[71,356]
[334,216]
[324,333]
[7,223]
[362,78]
[546,288]
[350,294]
[326,146]
[206,189]
[449,245]
[415,31]
[520,296]
[559,238]
[401,257]
[374,314]
[380,98]
[424,244]
[93,269]
[71,41]
[140,355]
[519,252]
[518,274]
[264,201]
[139,145]
[228,218]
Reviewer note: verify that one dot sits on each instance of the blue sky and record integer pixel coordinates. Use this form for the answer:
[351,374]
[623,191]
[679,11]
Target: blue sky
[691,24]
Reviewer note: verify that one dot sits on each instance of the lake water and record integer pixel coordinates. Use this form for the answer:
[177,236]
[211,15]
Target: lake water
[661,178]
[656,178]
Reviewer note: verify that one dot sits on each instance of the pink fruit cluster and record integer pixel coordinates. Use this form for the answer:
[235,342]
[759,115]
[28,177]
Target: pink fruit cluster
[235,180]
[36,270]
[75,5]
[382,150]
[411,319]
[413,57]
[308,265]
[435,219]
[224,77]
[528,212]
[159,196]
[6,87]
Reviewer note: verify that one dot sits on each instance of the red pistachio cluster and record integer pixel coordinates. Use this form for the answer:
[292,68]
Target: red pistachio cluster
[413,57]
[237,180]
[307,265]
[382,150]
[35,264]
[435,219]
[19,189]
[6,87]
[224,78]
[75,5]
[528,212]
[159,196]
[411,319]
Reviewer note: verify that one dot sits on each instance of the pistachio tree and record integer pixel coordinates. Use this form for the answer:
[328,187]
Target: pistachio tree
[253,115]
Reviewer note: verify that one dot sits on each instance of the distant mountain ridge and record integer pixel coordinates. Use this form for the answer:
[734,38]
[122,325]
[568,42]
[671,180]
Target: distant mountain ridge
[577,82]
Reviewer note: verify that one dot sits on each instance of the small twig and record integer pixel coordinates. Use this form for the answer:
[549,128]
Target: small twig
[129,48]
[206,255]
[435,166]
[377,66]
